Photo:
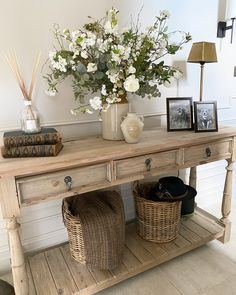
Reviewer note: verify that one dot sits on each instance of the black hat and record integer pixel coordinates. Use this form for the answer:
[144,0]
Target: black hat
[172,188]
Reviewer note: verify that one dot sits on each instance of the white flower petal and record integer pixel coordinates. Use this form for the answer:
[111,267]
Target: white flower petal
[96,103]
[91,67]
[131,84]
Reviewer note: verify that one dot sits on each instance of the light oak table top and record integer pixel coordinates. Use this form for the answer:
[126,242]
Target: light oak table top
[94,150]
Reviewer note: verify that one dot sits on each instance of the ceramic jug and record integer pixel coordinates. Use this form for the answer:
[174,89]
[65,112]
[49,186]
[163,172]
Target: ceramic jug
[132,127]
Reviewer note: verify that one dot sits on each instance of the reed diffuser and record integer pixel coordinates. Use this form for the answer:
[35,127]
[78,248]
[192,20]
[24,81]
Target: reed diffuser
[30,120]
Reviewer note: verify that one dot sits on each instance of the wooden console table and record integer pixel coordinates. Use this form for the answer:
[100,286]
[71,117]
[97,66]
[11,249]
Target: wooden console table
[92,164]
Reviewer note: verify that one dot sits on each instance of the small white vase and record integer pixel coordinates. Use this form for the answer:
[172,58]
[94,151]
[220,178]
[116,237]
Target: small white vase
[132,127]
[111,119]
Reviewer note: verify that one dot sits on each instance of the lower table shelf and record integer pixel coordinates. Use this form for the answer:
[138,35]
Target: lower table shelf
[54,272]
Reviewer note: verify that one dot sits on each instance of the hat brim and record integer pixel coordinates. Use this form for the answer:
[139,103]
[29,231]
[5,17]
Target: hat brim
[190,193]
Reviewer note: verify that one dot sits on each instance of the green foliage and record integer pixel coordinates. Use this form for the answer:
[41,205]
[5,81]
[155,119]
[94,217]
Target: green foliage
[99,59]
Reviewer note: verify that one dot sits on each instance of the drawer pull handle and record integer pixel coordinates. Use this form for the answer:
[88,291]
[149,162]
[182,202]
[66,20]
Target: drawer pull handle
[68,182]
[148,164]
[208,152]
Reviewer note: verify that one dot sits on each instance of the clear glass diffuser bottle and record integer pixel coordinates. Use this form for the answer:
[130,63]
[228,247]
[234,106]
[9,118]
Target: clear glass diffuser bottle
[30,121]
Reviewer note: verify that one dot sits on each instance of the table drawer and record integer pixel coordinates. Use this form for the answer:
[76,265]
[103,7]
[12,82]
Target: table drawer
[53,184]
[143,164]
[208,152]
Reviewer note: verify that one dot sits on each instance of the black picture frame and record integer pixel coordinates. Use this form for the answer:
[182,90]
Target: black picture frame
[179,113]
[205,116]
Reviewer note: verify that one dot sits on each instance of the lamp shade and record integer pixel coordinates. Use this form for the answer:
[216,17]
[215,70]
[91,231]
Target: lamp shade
[203,52]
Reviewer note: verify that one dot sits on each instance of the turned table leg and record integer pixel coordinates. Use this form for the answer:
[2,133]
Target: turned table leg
[193,177]
[20,278]
[226,201]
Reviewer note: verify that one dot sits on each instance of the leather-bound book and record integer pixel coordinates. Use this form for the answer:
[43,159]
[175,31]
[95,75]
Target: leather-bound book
[19,138]
[45,150]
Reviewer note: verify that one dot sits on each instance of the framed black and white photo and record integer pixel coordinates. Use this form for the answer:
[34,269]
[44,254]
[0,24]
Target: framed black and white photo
[179,113]
[205,116]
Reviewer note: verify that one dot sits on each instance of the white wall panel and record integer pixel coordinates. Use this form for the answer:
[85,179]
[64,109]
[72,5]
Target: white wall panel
[26,26]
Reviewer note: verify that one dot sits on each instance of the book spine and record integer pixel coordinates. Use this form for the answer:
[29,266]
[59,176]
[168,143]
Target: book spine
[32,151]
[32,139]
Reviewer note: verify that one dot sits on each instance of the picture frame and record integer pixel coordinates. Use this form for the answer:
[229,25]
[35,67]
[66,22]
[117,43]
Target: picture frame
[205,116]
[179,113]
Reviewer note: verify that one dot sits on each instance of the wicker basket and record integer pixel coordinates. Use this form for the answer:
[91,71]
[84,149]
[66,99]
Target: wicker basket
[96,228]
[156,221]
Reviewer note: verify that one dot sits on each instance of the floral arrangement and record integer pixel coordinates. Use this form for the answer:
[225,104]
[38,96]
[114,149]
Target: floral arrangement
[109,63]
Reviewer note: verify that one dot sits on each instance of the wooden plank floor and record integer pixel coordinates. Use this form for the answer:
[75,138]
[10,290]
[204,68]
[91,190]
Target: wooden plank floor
[54,272]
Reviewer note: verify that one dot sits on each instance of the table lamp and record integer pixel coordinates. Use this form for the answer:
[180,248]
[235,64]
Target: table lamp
[202,52]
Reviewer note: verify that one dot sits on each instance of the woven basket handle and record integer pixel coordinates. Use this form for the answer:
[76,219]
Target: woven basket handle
[136,187]
[63,205]
[65,209]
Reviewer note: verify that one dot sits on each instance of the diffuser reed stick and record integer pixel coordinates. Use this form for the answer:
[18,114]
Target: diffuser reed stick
[14,65]
[30,121]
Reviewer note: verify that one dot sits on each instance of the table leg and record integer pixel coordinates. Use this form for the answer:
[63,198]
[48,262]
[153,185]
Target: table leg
[20,278]
[226,201]
[193,177]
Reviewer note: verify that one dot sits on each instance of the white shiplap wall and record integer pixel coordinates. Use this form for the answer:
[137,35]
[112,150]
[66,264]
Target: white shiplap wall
[42,224]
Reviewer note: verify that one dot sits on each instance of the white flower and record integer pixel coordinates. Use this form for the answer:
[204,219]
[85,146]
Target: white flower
[91,67]
[75,35]
[104,91]
[116,58]
[131,84]
[109,28]
[76,52]
[103,47]
[162,43]
[164,13]
[113,76]
[89,42]
[73,47]
[178,74]
[60,64]
[111,99]
[89,111]
[121,48]
[91,35]
[65,31]
[96,103]
[126,53]
[131,70]
[84,54]
[51,92]
[52,55]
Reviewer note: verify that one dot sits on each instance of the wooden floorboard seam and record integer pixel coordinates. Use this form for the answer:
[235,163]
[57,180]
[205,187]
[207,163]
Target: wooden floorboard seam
[45,256]
[68,268]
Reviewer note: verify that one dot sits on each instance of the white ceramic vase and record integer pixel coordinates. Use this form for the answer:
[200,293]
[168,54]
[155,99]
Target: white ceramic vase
[111,120]
[132,127]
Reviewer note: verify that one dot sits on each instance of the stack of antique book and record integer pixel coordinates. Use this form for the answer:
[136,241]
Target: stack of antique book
[18,144]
